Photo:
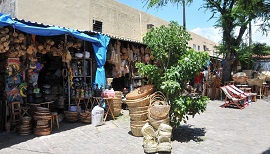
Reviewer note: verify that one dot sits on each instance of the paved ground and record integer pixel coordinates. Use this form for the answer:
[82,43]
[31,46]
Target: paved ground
[218,130]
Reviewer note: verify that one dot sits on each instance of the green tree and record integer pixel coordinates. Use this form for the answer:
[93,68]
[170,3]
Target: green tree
[233,17]
[175,65]
[161,3]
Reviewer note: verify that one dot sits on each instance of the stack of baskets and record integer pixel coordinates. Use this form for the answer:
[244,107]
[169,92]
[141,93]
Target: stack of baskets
[117,103]
[138,101]
[85,117]
[158,111]
[26,126]
[42,117]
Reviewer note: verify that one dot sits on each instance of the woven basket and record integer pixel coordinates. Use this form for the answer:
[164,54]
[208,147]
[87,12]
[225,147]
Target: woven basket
[85,117]
[138,123]
[139,117]
[157,96]
[118,94]
[136,130]
[256,82]
[137,110]
[159,110]
[138,102]
[140,92]
[116,112]
[71,116]
[155,123]
[42,133]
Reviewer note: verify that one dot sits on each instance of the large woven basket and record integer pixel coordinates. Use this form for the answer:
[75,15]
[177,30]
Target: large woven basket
[138,123]
[136,131]
[116,112]
[140,92]
[256,82]
[85,117]
[138,102]
[158,108]
[138,117]
[155,123]
[137,110]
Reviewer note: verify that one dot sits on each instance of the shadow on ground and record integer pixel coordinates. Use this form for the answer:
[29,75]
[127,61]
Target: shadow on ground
[186,133]
[8,139]
[267,151]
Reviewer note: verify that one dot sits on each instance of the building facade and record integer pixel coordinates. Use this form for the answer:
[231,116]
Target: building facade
[105,16]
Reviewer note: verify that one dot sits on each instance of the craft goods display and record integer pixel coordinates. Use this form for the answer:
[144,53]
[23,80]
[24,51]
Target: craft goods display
[158,111]
[42,118]
[25,127]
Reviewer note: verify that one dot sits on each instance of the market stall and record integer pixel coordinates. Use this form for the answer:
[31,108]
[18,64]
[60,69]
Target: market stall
[43,63]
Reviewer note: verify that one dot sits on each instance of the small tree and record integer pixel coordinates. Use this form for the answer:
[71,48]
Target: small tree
[176,65]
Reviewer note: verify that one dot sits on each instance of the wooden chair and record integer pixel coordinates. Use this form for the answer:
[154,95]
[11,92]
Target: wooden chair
[231,101]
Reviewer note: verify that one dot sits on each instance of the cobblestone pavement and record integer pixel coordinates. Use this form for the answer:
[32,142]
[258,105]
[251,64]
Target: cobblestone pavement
[218,130]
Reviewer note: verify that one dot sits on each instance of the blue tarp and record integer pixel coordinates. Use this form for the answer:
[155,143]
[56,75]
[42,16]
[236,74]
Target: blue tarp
[100,52]
[100,42]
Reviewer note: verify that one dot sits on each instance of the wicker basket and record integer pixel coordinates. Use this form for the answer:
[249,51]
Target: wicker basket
[118,94]
[136,130]
[256,82]
[158,111]
[138,117]
[71,116]
[42,133]
[138,123]
[155,123]
[85,117]
[140,92]
[137,110]
[116,112]
[138,102]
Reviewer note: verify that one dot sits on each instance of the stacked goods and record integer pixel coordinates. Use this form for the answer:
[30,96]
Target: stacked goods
[157,141]
[138,102]
[163,135]
[85,117]
[12,42]
[158,111]
[117,103]
[71,116]
[42,117]
[26,126]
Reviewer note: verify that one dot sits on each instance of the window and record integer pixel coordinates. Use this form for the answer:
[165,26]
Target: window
[97,26]
[199,48]
[149,26]
[194,46]
[204,48]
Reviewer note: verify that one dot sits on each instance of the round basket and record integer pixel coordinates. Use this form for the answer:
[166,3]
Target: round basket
[42,109]
[158,111]
[155,123]
[137,109]
[42,122]
[118,94]
[136,131]
[138,123]
[71,116]
[140,92]
[42,133]
[138,102]
[116,112]
[85,117]
[138,117]
[47,117]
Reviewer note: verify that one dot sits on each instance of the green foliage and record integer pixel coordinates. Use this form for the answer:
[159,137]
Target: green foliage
[160,3]
[183,106]
[176,65]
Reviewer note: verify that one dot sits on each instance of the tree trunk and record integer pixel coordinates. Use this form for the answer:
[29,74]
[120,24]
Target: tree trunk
[227,69]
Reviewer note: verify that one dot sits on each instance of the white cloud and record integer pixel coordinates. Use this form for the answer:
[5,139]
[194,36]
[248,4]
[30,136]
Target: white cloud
[215,34]
[210,33]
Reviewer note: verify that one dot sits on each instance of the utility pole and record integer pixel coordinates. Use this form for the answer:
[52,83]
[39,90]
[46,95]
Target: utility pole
[250,34]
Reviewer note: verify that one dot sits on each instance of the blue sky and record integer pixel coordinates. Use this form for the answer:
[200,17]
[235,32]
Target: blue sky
[197,20]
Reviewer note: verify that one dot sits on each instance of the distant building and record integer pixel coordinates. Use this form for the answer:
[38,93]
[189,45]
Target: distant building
[105,16]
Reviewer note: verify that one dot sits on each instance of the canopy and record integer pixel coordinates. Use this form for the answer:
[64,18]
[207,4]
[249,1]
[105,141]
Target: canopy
[100,41]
